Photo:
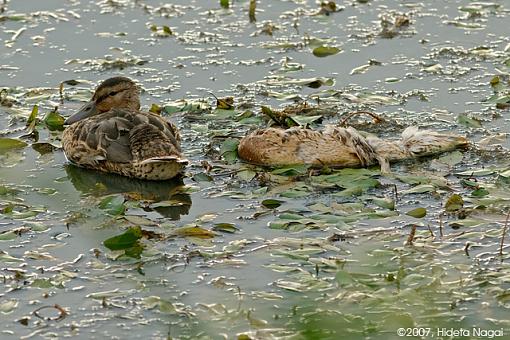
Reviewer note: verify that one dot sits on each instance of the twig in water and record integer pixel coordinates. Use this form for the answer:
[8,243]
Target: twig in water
[505,227]
[441,224]
[377,119]
[410,238]
[61,313]
[430,230]
[251,10]
[466,248]
[61,92]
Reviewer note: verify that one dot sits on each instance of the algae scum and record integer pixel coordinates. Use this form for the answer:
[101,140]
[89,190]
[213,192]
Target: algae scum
[240,251]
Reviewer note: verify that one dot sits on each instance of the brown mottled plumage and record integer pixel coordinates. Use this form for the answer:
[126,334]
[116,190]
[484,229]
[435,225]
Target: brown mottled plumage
[340,147]
[110,134]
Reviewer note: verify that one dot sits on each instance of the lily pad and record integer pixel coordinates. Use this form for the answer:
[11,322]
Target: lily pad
[7,144]
[272,203]
[417,213]
[114,205]
[125,240]
[228,150]
[325,51]
[194,231]
[54,121]
[454,203]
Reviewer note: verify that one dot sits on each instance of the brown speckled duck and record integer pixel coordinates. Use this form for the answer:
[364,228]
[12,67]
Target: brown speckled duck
[111,134]
[341,147]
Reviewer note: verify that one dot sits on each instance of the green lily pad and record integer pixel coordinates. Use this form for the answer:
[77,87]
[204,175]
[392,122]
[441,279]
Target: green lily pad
[194,231]
[228,150]
[114,205]
[417,213]
[125,240]
[54,121]
[325,51]
[225,227]
[454,203]
[272,203]
[7,144]
[463,119]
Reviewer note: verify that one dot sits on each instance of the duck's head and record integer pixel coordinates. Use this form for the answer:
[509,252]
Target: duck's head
[113,93]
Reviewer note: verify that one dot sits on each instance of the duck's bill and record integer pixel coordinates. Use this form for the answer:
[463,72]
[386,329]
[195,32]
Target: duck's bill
[86,111]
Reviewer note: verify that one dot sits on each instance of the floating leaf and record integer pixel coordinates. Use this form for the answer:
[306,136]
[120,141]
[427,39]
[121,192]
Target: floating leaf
[114,205]
[202,177]
[291,170]
[468,121]
[310,82]
[134,251]
[246,175]
[115,293]
[295,193]
[125,240]
[226,103]
[8,306]
[454,203]
[7,144]
[465,25]
[225,227]
[451,158]
[54,121]
[42,283]
[436,68]
[495,81]
[155,108]
[43,148]
[8,235]
[224,3]
[228,150]
[343,278]
[167,30]
[418,212]
[325,51]
[419,189]
[33,115]
[480,192]
[386,203]
[139,220]
[477,173]
[272,203]
[193,232]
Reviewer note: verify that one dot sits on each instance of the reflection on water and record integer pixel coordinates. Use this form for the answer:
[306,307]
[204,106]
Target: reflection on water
[173,202]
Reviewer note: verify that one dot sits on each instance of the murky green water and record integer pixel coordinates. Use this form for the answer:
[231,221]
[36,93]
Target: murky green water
[325,264]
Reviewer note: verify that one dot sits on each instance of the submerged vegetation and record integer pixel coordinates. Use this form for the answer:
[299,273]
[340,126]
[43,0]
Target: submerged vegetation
[236,250]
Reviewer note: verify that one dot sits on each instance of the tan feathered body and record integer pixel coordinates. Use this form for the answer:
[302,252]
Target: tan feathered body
[340,147]
[118,138]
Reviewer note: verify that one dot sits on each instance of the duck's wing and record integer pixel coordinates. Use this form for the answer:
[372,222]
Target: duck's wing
[102,138]
[120,136]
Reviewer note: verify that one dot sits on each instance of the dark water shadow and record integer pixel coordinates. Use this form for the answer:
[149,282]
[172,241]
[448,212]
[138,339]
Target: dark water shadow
[99,184]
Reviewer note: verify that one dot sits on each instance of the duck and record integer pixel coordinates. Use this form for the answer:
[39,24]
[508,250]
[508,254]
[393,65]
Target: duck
[339,147]
[110,134]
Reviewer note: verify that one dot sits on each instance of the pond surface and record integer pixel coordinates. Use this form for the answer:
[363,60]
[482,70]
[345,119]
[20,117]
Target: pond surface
[234,250]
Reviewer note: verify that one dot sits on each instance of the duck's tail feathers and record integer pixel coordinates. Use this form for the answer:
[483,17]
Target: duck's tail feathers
[164,159]
[414,143]
[162,168]
[425,142]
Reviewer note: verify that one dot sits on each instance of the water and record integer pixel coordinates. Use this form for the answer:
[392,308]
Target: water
[262,281]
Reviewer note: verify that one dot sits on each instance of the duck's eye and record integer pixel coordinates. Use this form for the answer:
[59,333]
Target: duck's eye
[111,94]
